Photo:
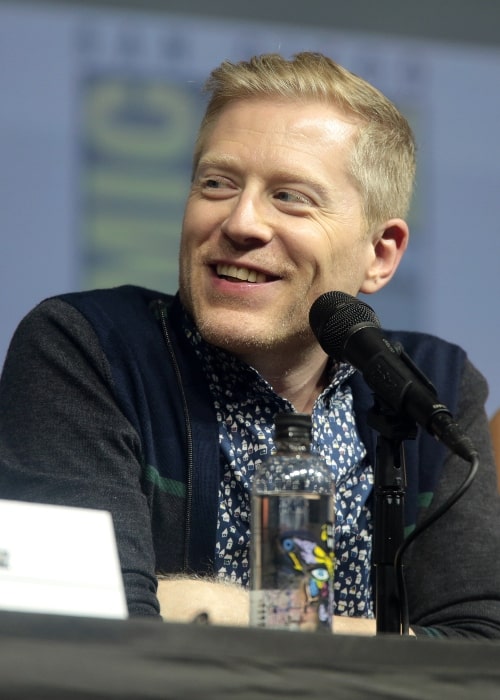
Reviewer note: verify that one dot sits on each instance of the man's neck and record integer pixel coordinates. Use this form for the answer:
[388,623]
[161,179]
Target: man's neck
[300,381]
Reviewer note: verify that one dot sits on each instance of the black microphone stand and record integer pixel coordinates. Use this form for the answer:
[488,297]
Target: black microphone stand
[388,528]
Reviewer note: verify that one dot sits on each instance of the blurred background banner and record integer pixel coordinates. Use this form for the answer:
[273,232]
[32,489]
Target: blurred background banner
[135,142]
[98,114]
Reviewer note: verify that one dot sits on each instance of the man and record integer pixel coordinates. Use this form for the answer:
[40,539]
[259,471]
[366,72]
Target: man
[158,409]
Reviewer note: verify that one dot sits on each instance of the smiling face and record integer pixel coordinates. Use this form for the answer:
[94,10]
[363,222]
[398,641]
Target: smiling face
[272,221]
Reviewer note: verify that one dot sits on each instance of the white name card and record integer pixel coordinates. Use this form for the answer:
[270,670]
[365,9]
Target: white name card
[59,560]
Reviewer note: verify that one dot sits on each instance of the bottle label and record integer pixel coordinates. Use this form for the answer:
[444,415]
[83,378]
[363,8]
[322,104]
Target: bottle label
[292,562]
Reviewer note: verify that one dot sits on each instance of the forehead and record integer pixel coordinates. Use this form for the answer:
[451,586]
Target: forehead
[275,121]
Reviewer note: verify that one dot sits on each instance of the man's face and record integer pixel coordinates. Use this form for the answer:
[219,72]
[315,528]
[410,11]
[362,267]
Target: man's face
[272,221]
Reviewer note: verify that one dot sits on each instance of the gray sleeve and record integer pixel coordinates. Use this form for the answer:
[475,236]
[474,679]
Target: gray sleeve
[63,439]
[453,568]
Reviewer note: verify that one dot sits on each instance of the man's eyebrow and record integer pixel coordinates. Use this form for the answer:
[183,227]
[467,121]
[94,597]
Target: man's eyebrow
[221,160]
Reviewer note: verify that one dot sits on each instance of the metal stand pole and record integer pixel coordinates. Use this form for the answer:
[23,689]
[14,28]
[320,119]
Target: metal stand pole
[388,534]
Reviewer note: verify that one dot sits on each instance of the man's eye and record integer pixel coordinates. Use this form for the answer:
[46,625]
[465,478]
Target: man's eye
[217,184]
[212,183]
[292,197]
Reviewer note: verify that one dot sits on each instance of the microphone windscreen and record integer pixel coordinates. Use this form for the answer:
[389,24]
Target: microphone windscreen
[333,317]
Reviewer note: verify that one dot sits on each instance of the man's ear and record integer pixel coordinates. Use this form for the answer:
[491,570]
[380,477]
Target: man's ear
[389,243]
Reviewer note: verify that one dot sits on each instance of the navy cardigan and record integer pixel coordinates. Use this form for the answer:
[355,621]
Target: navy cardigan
[156,374]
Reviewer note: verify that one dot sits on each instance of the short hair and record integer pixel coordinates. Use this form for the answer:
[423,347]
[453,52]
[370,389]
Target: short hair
[382,163]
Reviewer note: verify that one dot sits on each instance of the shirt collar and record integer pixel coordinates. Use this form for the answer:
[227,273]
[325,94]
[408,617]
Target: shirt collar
[237,380]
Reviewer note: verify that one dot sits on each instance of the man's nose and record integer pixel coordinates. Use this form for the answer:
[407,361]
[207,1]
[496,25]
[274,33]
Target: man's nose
[249,220]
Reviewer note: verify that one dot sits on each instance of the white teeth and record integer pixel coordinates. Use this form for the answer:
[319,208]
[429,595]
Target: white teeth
[240,273]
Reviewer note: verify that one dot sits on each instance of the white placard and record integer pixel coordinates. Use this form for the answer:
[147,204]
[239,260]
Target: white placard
[59,560]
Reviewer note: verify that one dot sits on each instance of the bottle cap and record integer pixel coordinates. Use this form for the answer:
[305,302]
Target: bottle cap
[292,425]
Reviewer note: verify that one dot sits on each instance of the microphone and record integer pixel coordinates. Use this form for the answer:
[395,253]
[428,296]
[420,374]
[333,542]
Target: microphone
[348,329]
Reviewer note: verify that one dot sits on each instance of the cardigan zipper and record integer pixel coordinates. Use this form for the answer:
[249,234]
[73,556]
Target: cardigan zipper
[187,423]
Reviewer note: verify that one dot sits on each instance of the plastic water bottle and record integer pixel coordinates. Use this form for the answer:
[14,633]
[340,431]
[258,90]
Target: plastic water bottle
[292,542]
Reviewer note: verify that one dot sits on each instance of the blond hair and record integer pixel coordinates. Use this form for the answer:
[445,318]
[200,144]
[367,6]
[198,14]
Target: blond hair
[382,163]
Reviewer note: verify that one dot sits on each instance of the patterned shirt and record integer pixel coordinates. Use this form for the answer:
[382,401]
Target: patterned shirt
[245,405]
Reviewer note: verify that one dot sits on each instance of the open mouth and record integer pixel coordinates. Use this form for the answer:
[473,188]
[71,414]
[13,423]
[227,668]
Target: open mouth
[241,274]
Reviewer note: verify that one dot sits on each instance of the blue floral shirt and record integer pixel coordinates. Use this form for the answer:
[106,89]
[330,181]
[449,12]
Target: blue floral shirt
[245,405]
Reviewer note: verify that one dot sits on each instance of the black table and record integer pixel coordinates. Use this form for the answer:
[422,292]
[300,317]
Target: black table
[58,657]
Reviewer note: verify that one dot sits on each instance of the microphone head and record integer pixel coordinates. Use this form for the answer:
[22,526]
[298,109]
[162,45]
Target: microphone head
[334,316]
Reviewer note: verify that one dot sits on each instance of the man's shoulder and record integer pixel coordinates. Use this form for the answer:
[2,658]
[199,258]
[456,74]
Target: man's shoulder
[440,360]
[418,340]
[115,296]
[128,312]
[128,304]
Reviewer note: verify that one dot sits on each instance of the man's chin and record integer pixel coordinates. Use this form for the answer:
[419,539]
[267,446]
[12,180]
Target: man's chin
[249,342]
[234,338]
[245,331]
